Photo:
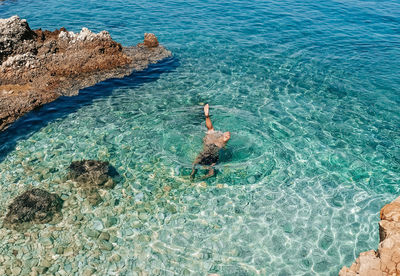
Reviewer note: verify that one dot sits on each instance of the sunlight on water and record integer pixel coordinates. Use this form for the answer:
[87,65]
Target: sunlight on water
[309,92]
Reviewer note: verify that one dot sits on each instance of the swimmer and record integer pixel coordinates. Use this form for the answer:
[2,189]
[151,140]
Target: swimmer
[212,143]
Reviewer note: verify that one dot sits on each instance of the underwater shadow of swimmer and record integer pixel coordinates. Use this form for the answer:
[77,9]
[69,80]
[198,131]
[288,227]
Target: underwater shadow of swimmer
[237,173]
[225,155]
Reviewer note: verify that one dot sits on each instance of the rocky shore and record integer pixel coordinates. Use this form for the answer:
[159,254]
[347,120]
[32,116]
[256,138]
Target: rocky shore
[37,67]
[385,260]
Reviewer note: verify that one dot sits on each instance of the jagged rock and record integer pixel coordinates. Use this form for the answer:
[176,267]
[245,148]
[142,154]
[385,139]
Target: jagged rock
[14,32]
[37,67]
[150,40]
[92,175]
[386,260]
[36,206]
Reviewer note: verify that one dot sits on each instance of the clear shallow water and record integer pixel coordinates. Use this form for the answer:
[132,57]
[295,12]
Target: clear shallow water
[310,92]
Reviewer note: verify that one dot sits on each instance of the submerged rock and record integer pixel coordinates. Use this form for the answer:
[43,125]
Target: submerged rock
[385,260]
[37,66]
[36,206]
[92,196]
[92,175]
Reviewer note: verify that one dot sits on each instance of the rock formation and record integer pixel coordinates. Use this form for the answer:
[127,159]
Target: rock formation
[36,67]
[150,40]
[92,175]
[35,206]
[385,260]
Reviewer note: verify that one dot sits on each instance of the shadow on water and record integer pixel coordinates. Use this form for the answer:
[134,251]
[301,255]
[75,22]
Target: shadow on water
[33,121]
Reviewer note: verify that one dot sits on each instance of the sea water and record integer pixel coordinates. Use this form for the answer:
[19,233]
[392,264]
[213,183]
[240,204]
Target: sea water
[309,91]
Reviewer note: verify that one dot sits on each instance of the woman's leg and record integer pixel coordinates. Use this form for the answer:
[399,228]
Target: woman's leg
[208,120]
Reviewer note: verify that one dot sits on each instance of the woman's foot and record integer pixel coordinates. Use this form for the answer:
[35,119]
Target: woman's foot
[207,110]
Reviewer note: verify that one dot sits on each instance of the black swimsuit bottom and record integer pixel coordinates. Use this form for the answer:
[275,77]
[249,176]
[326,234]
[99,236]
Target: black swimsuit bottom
[210,155]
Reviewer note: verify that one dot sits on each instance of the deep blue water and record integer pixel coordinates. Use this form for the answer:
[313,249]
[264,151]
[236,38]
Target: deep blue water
[310,92]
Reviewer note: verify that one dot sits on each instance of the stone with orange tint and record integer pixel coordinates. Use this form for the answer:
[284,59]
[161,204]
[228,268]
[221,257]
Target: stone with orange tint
[150,40]
[386,259]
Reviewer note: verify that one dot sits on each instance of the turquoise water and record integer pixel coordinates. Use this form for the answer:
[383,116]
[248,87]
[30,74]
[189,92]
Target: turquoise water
[310,93]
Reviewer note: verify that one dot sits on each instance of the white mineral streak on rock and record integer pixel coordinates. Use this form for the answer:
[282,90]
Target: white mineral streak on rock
[84,35]
[19,61]
[64,35]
